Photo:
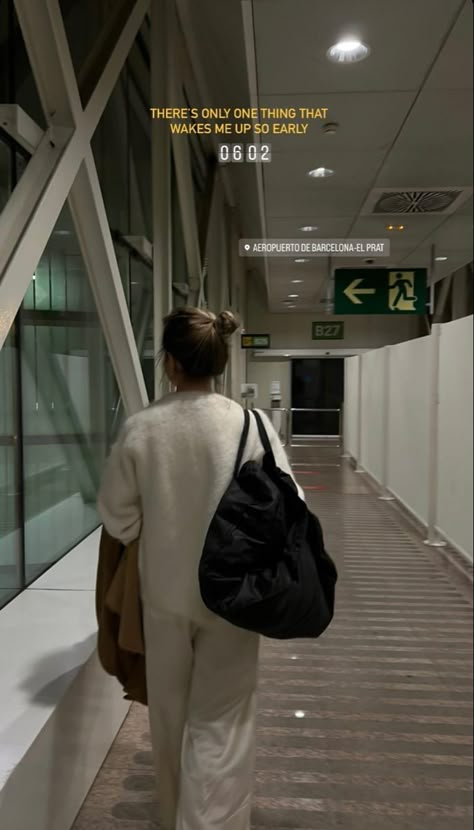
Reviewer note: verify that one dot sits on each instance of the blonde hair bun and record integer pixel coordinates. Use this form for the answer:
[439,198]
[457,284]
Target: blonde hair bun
[226,323]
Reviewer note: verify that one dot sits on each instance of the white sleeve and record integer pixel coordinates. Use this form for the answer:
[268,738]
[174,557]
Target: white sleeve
[119,502]
[281,457]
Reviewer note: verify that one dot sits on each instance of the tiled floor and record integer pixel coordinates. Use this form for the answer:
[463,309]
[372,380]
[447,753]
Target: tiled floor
[369,728]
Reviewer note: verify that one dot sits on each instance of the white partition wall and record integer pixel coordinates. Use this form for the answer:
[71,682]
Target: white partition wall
[454,507]
[408,434]
[373,412]
[415,401]
[351,406]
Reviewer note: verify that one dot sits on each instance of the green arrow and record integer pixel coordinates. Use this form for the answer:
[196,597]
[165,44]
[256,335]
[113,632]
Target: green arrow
[352,291]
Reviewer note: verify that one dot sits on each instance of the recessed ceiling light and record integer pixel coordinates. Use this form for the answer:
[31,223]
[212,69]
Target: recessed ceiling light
[293,296]
[300,714]
[321,173]
[395,228]
[349,50]
[441,258]
[297,281]
[309,228]
[302,260]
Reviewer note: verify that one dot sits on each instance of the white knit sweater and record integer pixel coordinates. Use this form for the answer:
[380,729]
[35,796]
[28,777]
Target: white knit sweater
[164,480]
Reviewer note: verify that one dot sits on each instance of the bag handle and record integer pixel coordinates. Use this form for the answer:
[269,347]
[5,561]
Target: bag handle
[243,441]
[263,435]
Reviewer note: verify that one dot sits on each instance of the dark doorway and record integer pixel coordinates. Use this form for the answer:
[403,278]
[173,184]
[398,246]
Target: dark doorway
[317,383]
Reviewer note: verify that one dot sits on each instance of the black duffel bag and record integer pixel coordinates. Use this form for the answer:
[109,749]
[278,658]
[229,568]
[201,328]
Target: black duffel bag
[264,566]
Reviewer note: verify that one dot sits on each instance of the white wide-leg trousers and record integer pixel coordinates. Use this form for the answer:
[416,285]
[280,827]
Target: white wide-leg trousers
[202,705]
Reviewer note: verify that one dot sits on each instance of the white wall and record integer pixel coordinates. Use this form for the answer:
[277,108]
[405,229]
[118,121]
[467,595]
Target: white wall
[351,406]
[372,425]
[455,448]
[405,406]
[263,373]
[408,434]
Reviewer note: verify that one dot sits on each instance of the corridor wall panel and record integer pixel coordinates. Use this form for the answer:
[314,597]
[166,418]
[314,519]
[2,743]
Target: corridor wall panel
[372,432]
[455,461]
[351,405]
[408,433]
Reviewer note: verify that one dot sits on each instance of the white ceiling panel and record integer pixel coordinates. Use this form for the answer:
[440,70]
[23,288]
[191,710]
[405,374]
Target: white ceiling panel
[421,259]
[293,37]
[354,168]
[455,232]
[367,120]
[417,226]
[289,227]
[454,67]
[318,202]
[435,145]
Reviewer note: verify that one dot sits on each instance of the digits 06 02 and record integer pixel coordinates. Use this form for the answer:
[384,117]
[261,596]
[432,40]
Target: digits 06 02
[235,153]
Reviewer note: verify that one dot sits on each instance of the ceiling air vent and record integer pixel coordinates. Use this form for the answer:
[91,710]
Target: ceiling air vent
[434,200]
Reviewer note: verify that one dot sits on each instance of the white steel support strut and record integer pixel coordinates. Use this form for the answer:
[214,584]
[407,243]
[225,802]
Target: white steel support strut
[182,161]
[75,174]
[161,183]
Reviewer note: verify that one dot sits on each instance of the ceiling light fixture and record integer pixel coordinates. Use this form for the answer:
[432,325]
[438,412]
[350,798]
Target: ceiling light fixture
[349,50]
[309,228]
[441,258]
[321,173]
[293,296]
[296,281]
[300,260]
[395,228]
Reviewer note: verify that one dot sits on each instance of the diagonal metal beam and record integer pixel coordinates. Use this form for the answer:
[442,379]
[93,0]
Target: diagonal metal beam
[26,195]
[161,64]
[182,160]
[46,43]
[18,124]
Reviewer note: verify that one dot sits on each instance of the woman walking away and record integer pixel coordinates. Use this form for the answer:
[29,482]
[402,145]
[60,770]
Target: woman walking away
[163,482]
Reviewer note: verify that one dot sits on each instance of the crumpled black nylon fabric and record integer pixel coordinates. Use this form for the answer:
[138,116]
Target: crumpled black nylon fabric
[264,566]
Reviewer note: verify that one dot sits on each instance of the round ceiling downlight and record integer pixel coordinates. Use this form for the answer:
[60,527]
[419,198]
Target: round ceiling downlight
[321,173]
[349,50]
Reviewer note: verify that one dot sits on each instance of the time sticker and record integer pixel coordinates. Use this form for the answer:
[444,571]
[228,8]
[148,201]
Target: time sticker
[239,153]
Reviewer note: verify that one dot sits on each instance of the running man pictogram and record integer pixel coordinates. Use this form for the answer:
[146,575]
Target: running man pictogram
[401,287]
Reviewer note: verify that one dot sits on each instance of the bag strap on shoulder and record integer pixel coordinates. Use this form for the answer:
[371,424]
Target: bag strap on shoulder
[243,441]
[263,434]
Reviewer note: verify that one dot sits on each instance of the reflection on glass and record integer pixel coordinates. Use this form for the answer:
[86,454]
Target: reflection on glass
[10,534]
[65,403]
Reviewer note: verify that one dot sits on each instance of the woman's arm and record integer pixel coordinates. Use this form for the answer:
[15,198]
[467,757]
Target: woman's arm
[119,501]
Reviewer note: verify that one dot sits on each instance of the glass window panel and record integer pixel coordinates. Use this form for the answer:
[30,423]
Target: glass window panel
[5,167]
[83,21]
[67,414]
[10,531]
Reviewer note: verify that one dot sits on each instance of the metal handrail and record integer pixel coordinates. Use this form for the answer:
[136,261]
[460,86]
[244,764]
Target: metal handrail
[310,409]
[288,437]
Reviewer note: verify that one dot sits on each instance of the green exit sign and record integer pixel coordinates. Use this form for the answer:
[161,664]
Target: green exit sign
[328,331]
[393,291]
[255,341]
